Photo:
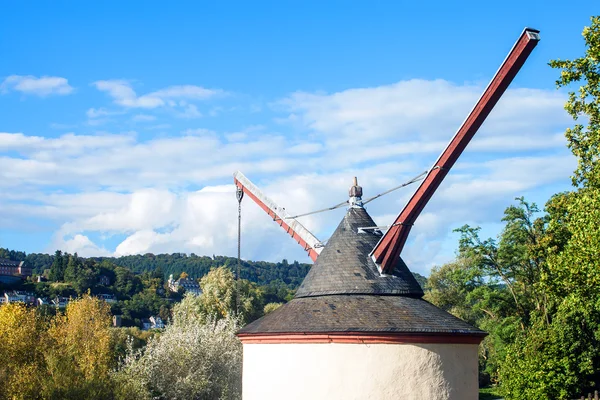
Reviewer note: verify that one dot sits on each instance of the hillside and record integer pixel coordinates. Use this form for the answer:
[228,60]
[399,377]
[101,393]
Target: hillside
[260,272]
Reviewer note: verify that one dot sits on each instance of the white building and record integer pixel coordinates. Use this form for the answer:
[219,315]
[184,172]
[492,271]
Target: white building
[60,302]
[109,298]
[157,323]
[353,333]
[154,322]
[16,296]
[42,301]
[188,285]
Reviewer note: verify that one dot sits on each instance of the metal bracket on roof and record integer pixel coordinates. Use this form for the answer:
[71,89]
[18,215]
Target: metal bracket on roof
[372,228]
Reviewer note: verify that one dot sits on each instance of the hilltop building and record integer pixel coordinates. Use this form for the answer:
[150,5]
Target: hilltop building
[13,271]
[188,285]
[104,280]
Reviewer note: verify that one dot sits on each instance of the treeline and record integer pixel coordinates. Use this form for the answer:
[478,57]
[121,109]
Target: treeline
[260,272]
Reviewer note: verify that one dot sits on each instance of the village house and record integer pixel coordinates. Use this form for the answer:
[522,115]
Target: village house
[16,296]
[42,301]
[157,323]
[109,298]
[188,285]
[154,322]
[13,271]
[60,302]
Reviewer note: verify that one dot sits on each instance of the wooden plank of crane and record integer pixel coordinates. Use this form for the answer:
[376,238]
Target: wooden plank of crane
[389,247]
[293,227]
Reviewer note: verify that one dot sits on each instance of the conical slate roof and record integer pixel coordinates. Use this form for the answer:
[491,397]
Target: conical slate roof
[344,265]
[344,292]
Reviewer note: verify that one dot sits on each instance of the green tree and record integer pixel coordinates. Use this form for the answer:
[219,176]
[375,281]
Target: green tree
[72,269]
[223,296]
[558,357]
[79,352]
[270,307]
[584,141]
[495,284]
[57,270]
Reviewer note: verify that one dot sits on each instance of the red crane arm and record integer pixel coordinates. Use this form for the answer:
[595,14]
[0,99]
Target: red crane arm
[295,229]
[389,247]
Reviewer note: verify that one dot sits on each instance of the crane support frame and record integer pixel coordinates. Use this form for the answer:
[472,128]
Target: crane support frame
[391,244]
[293,227]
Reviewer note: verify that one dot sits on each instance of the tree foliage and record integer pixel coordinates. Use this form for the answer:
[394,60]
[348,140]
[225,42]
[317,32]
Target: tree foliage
[79,352]
[584,141]
[21,353]
[194,358]
[495,284]
[558,356]
[68,356]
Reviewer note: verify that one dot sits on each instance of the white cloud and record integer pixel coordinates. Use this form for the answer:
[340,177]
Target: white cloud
[124,95]
[190,111]
[199,132]
[204,221]
[69,143]
[186,92]
[42,86]
[83,246]
[306,148]
[419,110]
[143,118]
[145,209]
[101,112]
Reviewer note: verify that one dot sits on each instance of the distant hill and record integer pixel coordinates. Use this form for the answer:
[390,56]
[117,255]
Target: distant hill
[261,272]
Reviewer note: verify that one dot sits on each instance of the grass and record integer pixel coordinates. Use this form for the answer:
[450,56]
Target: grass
[489,394]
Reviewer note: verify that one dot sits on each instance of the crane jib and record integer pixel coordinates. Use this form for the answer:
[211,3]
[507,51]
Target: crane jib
[293,227]
[388,249]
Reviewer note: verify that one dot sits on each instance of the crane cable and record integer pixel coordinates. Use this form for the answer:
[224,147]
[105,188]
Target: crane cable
[417,178]
[240,195]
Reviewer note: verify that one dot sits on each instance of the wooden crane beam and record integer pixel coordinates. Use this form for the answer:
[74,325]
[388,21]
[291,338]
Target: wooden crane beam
[295,229]
[388,249]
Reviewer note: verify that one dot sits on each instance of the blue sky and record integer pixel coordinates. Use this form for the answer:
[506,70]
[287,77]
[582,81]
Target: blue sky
[123,121]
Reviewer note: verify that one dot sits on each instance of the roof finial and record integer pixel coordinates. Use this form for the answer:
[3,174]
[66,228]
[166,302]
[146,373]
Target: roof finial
[355,195]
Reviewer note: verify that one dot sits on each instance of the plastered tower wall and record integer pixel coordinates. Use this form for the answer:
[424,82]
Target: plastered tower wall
[360,371]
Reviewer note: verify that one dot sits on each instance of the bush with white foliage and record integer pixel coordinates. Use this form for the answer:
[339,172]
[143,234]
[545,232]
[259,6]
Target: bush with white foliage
[196,357]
